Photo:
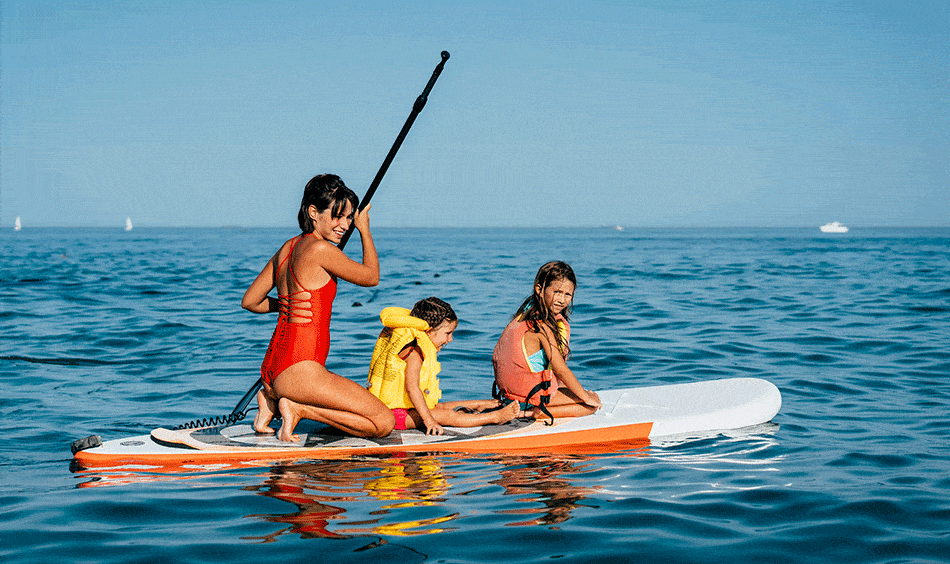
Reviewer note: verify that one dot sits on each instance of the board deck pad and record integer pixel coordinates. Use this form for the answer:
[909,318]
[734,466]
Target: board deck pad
[626,415]
[314,435]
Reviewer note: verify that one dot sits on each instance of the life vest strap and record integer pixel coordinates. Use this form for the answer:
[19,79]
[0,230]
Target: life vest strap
[542,388]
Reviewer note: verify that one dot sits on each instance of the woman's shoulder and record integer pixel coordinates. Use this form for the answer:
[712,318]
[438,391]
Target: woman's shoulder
[310,248]
[285,249]
[286,245]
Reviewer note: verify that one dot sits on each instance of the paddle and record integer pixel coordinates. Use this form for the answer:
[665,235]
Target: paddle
[420,103]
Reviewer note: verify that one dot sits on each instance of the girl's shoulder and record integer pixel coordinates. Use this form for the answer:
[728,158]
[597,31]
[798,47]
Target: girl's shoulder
[410,348]
[545,330]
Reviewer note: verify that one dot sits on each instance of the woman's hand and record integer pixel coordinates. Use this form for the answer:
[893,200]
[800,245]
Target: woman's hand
[361,219]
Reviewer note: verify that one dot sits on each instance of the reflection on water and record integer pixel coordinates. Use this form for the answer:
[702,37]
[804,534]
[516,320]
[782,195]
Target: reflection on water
[410,494]
[544,480]
[411,481]
[322,490]
[416,494]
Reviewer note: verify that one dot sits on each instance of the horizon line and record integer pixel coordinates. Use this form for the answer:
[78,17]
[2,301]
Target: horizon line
[615,227]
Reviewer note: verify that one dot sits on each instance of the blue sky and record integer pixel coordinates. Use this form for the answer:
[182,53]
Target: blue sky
[636,113]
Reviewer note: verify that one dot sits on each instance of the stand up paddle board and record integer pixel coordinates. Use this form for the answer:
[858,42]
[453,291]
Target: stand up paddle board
[626,415]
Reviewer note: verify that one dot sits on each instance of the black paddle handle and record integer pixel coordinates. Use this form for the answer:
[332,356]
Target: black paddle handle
[416,108]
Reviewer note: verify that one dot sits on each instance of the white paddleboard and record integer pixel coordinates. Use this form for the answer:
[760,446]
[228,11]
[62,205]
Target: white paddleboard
[627,415]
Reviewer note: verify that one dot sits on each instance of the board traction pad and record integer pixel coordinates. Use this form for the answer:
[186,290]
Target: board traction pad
[321,436]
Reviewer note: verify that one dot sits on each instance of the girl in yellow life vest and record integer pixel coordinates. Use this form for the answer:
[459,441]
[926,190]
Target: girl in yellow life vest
[404,369]
[529,359]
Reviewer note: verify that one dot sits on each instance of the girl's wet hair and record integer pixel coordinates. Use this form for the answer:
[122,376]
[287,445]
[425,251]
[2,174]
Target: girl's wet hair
[325,191]
[535,311]
[433,311]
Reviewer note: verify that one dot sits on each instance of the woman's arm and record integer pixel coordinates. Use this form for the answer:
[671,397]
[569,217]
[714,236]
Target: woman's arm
[370,257]
[342,267]
[337,264]
[413,372]
[255,298]
[329,257]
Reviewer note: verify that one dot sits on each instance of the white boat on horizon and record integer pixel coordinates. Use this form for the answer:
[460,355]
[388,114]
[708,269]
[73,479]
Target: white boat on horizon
[17,225]
[833,227]
[128,224]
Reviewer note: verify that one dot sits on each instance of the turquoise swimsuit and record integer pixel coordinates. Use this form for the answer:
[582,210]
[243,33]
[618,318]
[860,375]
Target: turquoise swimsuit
[538,361]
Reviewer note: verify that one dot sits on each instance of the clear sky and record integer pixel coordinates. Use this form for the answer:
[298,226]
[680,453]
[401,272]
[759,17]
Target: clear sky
[576,113]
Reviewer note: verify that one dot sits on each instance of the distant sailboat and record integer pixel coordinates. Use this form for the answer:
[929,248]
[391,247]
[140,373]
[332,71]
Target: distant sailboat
[17,225]
[128,224]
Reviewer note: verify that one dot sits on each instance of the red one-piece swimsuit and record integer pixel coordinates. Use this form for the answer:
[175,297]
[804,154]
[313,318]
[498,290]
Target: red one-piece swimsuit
[306,337]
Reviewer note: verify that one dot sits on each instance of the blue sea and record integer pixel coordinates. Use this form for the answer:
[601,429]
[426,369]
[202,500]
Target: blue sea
[114,333]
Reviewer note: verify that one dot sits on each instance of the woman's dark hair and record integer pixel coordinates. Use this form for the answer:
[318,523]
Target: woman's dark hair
[535,311]
[325,191]
[433,311]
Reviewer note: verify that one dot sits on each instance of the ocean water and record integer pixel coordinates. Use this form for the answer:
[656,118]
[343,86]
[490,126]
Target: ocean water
[114,333]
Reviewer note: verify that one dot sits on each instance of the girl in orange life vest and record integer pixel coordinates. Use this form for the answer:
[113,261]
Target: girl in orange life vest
[305,271]
[404,368]
[529,359]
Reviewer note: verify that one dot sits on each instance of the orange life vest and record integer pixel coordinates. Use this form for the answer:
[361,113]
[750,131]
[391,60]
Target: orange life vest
[513,374]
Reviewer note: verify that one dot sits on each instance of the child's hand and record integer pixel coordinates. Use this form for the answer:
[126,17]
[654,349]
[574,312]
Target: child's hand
[593,399]
[434,429]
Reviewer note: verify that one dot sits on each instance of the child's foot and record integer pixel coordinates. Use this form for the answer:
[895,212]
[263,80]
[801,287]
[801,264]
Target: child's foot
[532,413]
[289,412]
[507,412]
[488,405]
[265,414]
[493,405]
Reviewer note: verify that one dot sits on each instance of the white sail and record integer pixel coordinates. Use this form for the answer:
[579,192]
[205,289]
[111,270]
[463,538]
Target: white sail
[128,224]
[17,225]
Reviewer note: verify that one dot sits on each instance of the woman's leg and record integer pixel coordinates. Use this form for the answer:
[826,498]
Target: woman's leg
[313,392]
[266,408]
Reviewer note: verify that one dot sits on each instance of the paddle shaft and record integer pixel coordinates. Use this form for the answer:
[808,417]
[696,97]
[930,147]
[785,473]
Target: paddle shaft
[416,108]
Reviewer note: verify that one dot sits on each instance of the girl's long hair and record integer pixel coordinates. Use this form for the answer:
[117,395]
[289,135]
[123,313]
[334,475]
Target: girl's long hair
[536,313]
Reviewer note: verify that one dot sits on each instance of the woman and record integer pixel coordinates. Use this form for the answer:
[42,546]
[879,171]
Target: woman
[305,271]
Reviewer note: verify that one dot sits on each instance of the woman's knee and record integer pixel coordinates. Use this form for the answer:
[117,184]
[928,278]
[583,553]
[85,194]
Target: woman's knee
[384,422]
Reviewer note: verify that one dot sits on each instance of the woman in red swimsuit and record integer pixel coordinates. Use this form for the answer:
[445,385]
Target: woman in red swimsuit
[305,271]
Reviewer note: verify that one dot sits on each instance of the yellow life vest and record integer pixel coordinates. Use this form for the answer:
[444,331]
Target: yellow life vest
[387,372]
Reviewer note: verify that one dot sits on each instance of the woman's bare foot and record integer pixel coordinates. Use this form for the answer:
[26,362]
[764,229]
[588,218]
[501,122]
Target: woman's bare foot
[507,413]
[265,414]
[289,412]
